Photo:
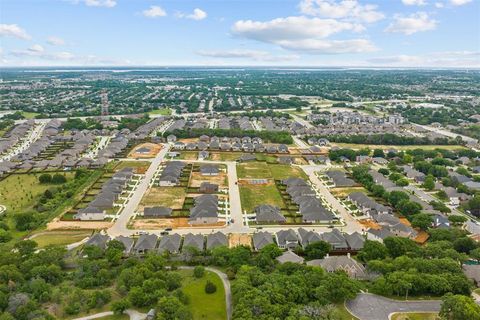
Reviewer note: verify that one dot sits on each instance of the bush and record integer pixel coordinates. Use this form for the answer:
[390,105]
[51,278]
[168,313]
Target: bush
[58,178]
[5,236]
[45,178]
[198,272]
[210,287]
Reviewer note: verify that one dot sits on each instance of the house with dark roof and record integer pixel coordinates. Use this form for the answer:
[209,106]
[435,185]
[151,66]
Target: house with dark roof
[170,243]
[355,241]
[145,243]
[90,214]
[350,266]
[193,240]
[215,240]
[209,170]
[205,210]
[266,213]
[287,239]
[336,239]
[339,178]
[289,256]
[127,243]
[207,187]
[261,239]
[98,240]
[157,212]
[366,204]
[307,237]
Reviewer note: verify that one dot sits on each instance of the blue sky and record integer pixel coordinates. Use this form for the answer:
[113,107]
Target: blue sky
[393,33]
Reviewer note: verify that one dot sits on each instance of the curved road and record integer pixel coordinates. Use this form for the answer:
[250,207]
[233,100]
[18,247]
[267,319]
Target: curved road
[367,306]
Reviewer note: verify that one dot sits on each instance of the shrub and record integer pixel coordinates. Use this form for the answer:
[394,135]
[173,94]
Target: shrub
[58,178]
[210,287]
[45,178]
[198,272]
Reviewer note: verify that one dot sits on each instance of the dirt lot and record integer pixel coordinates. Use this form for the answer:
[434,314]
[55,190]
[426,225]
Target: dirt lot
[169,223]
[237,239]
[171,197]
[369,224]
[154,149]
[344,192]
[196,179]
[57,224]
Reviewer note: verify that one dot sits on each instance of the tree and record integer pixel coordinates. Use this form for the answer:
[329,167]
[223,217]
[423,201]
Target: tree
[397,246]
[118,307]
[317,250]
[210,287]
[422,221]
[458,307]
[464,244]
[378,153]
[170,308]
[5,236]
[373,250]
[45,178]
[429,182]
[384,171]
[457,220]
[24,221]
[199,272]
[58,178]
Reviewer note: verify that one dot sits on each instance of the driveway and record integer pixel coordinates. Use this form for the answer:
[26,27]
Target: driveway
[368,306]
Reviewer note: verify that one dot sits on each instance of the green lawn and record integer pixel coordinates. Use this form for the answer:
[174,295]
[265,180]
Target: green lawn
[254,195]
[20,192]
[415,316]
[132,164]
[343,313]
[29,115]
[258,170]
[202,305]
[163,111]
[60,237]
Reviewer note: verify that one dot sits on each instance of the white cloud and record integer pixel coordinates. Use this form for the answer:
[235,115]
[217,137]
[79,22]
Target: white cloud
[292,28]
[439,5]
[414,2]
[13,30]
[449,59]
[349,9]
[55,41]
[154,12]
[36,48]
[101,3]
[459,2]
[257,55]
[304,34]
[198,14]
[416,22]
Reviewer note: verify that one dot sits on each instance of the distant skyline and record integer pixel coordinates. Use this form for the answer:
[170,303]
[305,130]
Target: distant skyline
[309,33]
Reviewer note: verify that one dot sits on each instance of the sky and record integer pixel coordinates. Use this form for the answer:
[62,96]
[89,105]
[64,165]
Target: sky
[305,33]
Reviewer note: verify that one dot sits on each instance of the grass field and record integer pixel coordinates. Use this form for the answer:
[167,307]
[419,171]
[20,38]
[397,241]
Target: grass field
[415,316]
[408,147]
[188,155]
[60,237]
[224,156]
[29,115]
[171,197]
[132,164]
[343,313]
[163,111]
[20,192]
[254,195]
[258,170]
[202,305]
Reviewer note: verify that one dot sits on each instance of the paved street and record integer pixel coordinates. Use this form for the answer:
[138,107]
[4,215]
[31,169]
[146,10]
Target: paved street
[372,307]
[352,225]
[120,225]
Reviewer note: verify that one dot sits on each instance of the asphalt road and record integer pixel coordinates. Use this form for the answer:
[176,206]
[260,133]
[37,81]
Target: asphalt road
[368,306]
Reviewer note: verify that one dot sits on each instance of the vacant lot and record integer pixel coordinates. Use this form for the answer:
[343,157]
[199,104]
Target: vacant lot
[239,239]
[203,305]
[154,149]
[258,170]
[188,155]
[415,316]
[139,165]
[254,195]
[171,197]
[20,192]
[224,156]
[196,179]
[60,237]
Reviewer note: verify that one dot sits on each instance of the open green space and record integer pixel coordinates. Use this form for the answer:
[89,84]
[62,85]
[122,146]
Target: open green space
[132,164]
[171,197]
[29,115]
[254,195]
[263,170]
[60,237]
[162,111]
[203,305]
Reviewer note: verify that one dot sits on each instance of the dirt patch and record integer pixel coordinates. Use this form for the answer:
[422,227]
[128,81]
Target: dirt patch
[344,192]
[138,153]
[163,223]
[78,225]
[239,239]
[421,237]
[257,182]
[196,179]
[370,224]
[171,197]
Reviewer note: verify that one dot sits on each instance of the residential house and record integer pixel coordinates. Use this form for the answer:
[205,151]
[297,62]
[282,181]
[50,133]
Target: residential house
[215,240]
[261,239]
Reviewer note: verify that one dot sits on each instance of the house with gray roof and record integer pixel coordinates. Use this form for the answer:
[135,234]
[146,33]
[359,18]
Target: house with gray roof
[207,187]
[209,170]
[366,204]
[98,240]
[350,266]
[266,213]
[336,239]
[287,239]
[170,243]
[171,173]
[145,243]
[215,240]
[205,210]
[157,212]
[90,214]
[307,237]
[355,241]
[127,243]
[339,178]
[289,256]
[193,240]
[261,239]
